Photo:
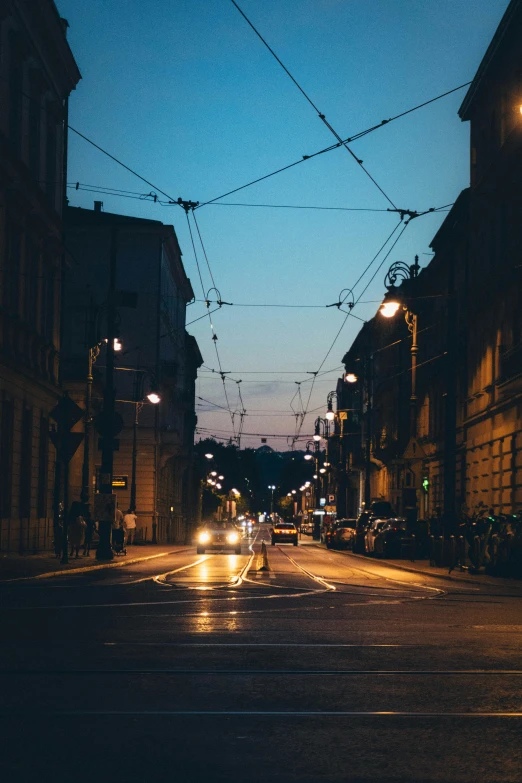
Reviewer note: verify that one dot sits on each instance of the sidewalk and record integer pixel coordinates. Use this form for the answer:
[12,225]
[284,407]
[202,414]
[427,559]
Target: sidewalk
[45,565]
[423,567]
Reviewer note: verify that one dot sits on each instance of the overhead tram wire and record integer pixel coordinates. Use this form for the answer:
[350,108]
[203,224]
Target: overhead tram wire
[349,312]
[120,163]
[172,201]
[321,116]
[214,336]
[348,140]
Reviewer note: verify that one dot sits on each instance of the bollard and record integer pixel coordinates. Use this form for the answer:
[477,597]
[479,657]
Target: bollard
[462,553]
[452,554]
[432,551]
[262,559]
[413,548]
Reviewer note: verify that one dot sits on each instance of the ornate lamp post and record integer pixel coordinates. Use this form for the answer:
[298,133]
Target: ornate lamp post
[139,401]
[392,303]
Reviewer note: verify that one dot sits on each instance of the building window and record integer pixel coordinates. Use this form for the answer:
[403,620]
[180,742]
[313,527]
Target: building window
[47,319]
[12,276]
[6,458]
[26,462]
[34,118]
[31,284]
[50,155]
[43,467]
[15,93]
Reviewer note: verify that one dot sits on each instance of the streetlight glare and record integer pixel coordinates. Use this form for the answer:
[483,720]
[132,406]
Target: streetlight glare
[330,415]
[209,456]
[350,377]
[117,345]
[388,309]
[308,456]
[154,398]
[213,472]
[317,437]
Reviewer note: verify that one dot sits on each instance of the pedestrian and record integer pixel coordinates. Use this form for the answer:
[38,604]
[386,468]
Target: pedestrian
[76,528]
[90,527]
[129,524]
[117,524]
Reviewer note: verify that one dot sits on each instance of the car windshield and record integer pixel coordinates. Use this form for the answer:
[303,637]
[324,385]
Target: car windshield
[287,525]
[348,523]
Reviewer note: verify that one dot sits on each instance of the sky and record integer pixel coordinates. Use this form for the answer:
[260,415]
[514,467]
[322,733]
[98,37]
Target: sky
[186,94]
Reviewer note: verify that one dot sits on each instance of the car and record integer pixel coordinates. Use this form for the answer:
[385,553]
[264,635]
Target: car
[379,509]
[284,532]
[372,533]
[342,535]
[246,528]
[219,535]
[394,538]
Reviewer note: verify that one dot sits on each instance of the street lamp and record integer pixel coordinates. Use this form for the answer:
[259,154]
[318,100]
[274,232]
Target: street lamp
[272,488]
[139,401]
[209,456]
[391,305]
[393,302]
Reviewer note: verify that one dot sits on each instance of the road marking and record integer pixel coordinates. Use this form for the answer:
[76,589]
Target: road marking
[261,713]
[86,569]
[271,672]
[252,644]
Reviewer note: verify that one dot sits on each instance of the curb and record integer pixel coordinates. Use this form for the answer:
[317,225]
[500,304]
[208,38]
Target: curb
[448,577]
[85,569]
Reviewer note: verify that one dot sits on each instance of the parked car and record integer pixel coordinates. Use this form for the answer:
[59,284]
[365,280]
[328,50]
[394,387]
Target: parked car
[372,534]
[393,537]
[379,509]
[342,534]
[284,532]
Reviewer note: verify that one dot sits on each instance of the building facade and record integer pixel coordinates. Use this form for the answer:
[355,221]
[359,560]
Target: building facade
[467,428]
[153,456]
[37,74]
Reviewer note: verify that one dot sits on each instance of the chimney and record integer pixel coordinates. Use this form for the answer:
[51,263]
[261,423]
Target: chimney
[98,206]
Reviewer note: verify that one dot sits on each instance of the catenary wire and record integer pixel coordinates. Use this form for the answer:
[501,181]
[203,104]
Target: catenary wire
[316,109]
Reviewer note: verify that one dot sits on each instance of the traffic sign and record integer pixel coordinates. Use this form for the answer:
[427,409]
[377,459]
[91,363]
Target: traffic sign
[414,450]
[109,424]
[66,413]
[66,444]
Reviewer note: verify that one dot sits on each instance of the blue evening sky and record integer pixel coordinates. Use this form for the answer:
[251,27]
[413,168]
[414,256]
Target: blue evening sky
[185,93]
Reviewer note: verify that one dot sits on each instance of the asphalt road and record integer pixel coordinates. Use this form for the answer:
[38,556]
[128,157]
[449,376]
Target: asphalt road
[325,668]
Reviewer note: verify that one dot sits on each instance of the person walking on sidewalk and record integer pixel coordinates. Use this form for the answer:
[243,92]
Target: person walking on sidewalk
[76,528]
[129,524]
[118,523]
[90,527]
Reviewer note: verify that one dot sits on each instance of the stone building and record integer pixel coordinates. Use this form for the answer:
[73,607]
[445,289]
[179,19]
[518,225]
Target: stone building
[37,74]
[468,424]
[157,355]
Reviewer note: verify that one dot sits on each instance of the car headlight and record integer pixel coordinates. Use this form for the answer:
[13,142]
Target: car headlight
[232,538]
[203,537]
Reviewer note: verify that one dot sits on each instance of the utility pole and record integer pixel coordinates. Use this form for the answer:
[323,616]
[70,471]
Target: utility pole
[104,550]
[368,431]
